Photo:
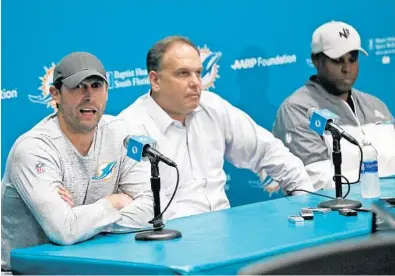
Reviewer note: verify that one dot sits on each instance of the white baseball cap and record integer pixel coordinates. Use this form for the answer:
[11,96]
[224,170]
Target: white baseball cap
[336,39]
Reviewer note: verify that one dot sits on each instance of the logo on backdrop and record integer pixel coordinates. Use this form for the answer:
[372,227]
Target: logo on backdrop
[127,78]
[227,184]
[253,62]
[386,60]
[384,47]
[265,182]
[46,81]
[309,62]
[8,94]
[210,67]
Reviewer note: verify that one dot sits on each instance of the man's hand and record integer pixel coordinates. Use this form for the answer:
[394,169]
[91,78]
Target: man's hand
[65,195]
[119,201]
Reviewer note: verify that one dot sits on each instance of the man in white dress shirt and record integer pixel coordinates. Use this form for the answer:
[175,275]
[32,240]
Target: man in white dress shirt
[199,130]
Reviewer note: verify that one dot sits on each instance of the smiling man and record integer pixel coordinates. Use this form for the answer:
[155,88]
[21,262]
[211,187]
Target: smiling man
[68,178]
[199,130]
[335,52]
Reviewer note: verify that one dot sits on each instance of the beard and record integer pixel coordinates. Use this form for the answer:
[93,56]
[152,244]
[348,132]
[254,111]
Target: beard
[333,88]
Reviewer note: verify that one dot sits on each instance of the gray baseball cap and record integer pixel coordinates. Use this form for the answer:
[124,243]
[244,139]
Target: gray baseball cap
[76,67]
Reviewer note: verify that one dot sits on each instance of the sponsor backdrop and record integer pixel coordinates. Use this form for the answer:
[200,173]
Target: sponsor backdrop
[255,53]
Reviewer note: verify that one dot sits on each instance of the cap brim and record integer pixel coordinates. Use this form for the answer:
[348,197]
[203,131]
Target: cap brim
[336,53]
[75,79]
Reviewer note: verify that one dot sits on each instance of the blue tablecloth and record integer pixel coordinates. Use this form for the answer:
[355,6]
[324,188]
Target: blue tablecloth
[213,243]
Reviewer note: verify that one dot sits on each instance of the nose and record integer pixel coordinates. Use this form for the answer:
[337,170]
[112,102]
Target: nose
[195,80]
[88,92]
[346,68]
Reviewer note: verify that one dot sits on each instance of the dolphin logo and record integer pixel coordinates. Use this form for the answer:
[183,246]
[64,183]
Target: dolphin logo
[268,184]
[105,171]
[209,66]
[209,62]
[40,99]
[46,82]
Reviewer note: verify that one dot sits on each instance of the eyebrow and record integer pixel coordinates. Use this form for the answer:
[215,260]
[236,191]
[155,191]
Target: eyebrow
[189,69]
[93,80]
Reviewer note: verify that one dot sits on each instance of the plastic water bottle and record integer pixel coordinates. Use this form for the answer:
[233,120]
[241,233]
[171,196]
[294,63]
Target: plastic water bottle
[370,185]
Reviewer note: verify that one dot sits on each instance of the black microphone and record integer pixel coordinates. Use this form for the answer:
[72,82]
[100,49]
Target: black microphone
[137,148]
[321,120]
[324,119]
[142,146]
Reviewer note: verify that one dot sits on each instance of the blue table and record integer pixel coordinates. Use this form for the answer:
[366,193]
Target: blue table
[213,243]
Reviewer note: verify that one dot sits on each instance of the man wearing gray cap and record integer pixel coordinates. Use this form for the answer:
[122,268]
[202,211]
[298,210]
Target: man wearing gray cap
[68,179]
[334,51]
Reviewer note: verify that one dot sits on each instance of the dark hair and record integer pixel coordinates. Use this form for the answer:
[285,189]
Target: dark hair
[58,85]
[318,56]
[156,53]
[324,57]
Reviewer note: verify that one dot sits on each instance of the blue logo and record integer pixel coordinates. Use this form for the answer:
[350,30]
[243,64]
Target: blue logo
[210,67]
[46,81]
[136,145]
[320,118]
[369,167]
[105,171]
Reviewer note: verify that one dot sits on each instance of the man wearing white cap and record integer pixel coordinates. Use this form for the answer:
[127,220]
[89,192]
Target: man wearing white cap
[68,179]
[335,48]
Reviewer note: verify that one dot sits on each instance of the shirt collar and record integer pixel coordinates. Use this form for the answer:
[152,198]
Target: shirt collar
[159,116]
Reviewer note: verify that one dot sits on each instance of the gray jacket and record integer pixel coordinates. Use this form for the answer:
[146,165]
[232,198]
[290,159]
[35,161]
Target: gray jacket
[371,118]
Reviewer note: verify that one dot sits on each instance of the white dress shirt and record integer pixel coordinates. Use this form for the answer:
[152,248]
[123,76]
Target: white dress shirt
[214,131]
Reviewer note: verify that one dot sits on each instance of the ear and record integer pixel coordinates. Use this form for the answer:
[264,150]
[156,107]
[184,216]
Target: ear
[315,60]
[55,93]
[154,80]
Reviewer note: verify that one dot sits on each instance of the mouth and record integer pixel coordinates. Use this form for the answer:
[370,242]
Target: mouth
[88,110]
[347,81]
[194,95]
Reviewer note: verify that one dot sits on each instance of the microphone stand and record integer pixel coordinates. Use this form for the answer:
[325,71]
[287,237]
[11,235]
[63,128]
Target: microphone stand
[339,202]
[158,233]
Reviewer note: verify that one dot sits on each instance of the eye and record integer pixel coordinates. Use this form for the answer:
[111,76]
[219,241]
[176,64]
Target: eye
[183,73]
[338,60]
[97,84]
[80,85]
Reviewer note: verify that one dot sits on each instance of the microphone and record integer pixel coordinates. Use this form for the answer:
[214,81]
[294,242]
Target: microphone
[139,147]
[322,120]
[143,146]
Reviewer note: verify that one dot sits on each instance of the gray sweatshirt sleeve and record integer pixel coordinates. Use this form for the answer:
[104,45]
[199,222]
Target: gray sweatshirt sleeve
[38,189]
[292,128]
[135,182]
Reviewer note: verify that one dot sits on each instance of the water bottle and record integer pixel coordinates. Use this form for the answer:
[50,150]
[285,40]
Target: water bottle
[370,185]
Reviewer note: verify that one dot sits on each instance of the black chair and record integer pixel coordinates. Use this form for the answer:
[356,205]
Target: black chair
[369,255]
